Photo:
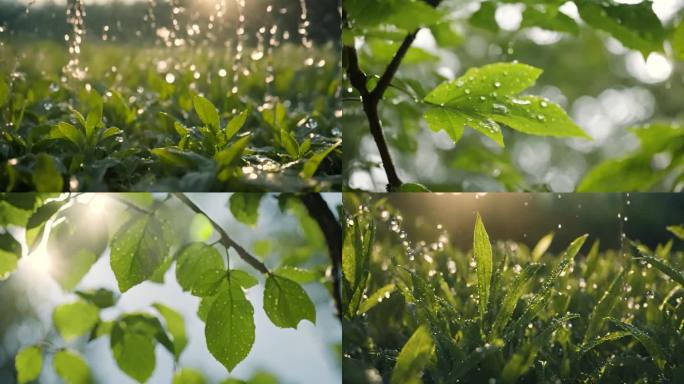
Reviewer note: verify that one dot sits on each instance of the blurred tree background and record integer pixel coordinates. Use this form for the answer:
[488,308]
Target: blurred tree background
[606,88]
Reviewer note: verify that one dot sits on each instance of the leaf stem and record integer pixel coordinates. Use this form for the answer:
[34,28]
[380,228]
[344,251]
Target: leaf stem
[226,240]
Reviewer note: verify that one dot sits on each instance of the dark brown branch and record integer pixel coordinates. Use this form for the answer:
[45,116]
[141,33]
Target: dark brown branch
[226,240]
[371,99]
[332,231]
[370,108]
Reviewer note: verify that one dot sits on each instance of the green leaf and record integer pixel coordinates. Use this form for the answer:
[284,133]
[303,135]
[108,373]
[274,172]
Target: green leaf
[36,223]
[286,303]
[550,18]
[604,307]
[75,319]
[208,282]
[482,251]
[413,187]
[299,275]
[665,268]
[636,26]
[376,298]
[513,294]
[137,249]
[537,116]
[289,142]
[485,17]
[46,175]
[242,278]
[413,358]
[28,363]
[67,131]
[311,165]
[207,113]
[677,42]
[229,329]
[245,207]
[405,14]
[229,156]
[501,79]
[188,376]
[4,92]
[133,351]
[100,297]
[544,295]
[175,325]
[75,243]
[10,252]
[94,116]
[193,260]
[653,348]
[237,122]
[71,367]
[677,230]
[627,174]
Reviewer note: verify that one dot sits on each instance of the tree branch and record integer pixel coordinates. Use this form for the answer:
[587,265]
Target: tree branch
[332,231]
[226,240]
[370,108]
[371,99]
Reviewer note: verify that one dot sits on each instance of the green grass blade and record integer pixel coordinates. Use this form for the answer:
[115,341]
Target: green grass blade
[653,348]
[542,246]
[511,299]
[376,298]
[482,250]
[413,358]
[523,359]
[665,268]
[586,347]
[541,299]
[604,307]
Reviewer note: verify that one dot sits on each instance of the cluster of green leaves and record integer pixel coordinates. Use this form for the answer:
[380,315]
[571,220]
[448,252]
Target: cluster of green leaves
[128,128]
[148,240]
[487,97]
[506,313]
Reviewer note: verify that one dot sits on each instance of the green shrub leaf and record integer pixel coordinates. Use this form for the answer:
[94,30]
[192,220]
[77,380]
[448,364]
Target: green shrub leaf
[71,367]
[75,319]
[245,207]
[28,363]
[207,113]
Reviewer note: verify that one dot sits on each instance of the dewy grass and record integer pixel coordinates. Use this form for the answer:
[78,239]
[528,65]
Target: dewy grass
[433,313]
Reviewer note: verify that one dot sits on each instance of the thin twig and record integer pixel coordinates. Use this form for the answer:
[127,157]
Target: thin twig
[332,231]
[226,240]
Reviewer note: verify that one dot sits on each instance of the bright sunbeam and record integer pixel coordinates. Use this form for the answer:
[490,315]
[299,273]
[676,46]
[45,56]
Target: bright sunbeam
[38,262]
